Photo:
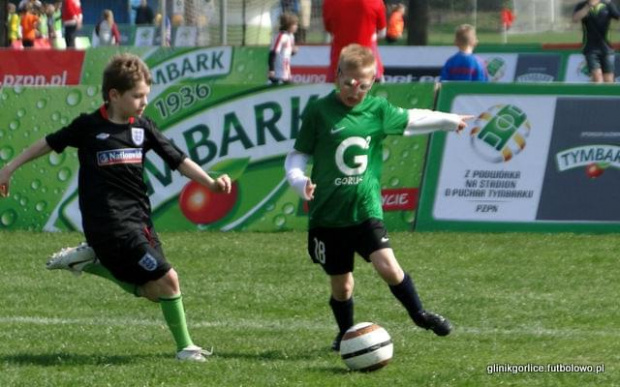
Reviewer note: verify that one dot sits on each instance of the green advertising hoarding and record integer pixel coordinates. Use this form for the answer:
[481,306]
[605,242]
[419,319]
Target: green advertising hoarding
[244,130]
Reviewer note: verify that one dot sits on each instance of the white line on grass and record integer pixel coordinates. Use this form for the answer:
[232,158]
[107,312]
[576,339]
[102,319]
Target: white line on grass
[295,325]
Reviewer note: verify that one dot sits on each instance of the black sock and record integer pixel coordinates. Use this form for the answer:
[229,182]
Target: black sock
[405,293]
[343,312]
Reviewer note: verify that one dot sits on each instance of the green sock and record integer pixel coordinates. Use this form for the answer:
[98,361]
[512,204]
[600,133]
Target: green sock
[100,271]
[174,314]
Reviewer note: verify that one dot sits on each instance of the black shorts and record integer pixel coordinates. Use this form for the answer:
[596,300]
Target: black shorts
[334,247]
[599,59]
[135,258]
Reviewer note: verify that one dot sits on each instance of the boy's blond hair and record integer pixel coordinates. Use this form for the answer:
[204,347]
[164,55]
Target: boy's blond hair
[465,35]
[123,73]
[356,57]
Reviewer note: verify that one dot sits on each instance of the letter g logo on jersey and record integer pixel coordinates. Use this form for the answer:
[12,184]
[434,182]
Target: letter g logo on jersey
[360,161]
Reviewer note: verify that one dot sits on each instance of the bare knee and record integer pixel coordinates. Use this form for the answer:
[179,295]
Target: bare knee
[387,266]
[342,286]
[166,286]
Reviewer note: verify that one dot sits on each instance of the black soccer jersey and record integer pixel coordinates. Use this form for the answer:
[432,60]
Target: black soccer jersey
[112,192]
[596,25]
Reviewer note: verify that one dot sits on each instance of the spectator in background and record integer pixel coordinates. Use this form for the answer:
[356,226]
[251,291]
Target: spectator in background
[36,5]
[106,32]
[354,21]
[464,65]
[71,20]
[595,17]
[282,48]
[507,17]
[13,23]
[50,11]
[305,15]
[396,23]
[58,19]
[144,14]
[29,23]
[168,26]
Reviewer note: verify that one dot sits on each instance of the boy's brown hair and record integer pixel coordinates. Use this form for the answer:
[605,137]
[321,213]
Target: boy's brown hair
[122,73]
[287,19]
[355,56]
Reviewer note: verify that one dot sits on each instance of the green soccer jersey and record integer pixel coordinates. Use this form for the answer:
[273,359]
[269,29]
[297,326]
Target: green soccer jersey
[346,146]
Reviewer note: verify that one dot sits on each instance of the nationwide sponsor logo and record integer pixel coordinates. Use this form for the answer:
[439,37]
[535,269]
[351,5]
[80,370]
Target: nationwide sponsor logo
[500,133]
[119,156]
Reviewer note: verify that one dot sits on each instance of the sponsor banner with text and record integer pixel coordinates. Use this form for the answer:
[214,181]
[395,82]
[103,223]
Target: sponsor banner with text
[535,158]
[40,67]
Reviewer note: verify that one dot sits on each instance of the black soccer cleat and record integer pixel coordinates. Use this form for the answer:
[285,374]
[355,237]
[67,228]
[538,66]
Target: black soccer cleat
[336,342]
[436,323]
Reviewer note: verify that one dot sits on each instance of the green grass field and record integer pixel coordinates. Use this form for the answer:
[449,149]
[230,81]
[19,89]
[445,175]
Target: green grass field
[514,299]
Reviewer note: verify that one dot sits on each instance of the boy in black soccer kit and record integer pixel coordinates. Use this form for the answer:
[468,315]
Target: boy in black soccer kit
[343,133]
[595,17]
[116,214]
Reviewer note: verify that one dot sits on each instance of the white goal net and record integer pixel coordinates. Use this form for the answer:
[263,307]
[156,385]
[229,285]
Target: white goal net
[222,22]
[536,15]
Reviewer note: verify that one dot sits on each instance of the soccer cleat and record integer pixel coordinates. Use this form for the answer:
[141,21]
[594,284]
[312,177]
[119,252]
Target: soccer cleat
[194,353]
[437,323]
[336,342]
[74,259]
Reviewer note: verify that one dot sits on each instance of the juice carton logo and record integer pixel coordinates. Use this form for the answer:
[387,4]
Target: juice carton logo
[500,133]
[595,158]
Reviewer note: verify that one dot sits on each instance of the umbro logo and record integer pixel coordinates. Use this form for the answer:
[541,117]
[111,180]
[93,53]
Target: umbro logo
[103,136]
[336,130]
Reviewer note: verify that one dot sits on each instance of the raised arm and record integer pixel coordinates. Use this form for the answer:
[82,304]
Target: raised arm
[583,11]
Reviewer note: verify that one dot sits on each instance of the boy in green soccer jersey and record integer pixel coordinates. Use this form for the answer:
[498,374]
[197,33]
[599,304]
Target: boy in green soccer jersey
[343,133]
[112,142]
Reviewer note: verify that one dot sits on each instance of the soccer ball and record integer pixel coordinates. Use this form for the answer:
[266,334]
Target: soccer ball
[366,347]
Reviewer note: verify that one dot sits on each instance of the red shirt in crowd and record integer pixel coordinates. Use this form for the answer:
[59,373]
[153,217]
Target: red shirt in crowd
[71,11]
[353,21]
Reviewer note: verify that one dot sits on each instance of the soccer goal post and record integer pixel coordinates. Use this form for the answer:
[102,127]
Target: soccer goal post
[536,15]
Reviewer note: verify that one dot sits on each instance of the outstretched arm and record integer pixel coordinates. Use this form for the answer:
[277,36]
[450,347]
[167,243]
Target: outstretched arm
[36,150]
[193,171]
[424,121]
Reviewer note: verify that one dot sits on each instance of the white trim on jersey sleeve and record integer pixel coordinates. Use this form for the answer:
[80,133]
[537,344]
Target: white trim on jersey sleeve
[295,165]
[424,121]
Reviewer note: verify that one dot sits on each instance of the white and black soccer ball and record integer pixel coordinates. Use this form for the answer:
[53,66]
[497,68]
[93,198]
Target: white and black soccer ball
[366,347]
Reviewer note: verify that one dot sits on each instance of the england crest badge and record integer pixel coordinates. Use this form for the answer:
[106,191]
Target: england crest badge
[137,136]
